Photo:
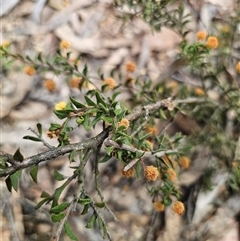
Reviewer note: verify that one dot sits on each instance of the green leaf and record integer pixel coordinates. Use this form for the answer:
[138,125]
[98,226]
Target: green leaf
[45,195]
[57,217]
[71,156]
[39,57]
[58,176]
[41,203]
[86,124]
[100,99]
[32,138]
[89,101]
[69,232]
[57,193]
[76,103]
[59,208]
[100,222]
[61,114]
[96,119]
[9,183]
[84,201]
[162,114]
[138,168]
[167,201]
[18,155]
[39,127]
[85,71]
[85,209]
[115,95]
[100,205]
[54,127]
[109,150]
[91,221]
[104,159]
[34,172]
[13,180]
[107,119]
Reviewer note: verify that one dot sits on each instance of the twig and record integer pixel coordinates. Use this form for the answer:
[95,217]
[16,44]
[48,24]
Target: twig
[53,153]
[98,186]
[61,225]
[40,138]
[135,150]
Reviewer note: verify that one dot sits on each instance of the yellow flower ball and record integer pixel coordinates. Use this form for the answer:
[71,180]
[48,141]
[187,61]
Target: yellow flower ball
[60,105]
[178,207]
[158,206]
[151,173]
[129,173]
[124,122]
[201,35]
[171,174]
[50,85]
[184,162]
[64,44]
[199,91]
[29,70]
[110,82]
[130,67]
[212,42]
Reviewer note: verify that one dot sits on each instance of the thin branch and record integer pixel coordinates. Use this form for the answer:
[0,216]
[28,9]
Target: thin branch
[54,153]
[42,140]
[97,185]
[135,150]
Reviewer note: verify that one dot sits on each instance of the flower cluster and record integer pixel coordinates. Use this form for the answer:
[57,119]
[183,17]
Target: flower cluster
[178,207]
[29,70]
[151,173]
[184,162]
[60,105]
[50,85]
[64,44]
[212,42]
[110,82]
[130,67]
[158,206]
[124,122]
[171,174]
[129,173]
[201,35]
[53,134]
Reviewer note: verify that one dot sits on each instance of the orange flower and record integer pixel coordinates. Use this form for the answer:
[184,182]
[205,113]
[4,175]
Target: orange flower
[171,174]
[199,91]
[158,206]
[29,70]
[151,173]
[50,85]
[74,82]
[238,67]
[212,42]
[184,162]
[60,105]
[64,44]
[128,173]
[130,67]
[124,122]
[178,207]
[110,82]
[201,35]
[151,129]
